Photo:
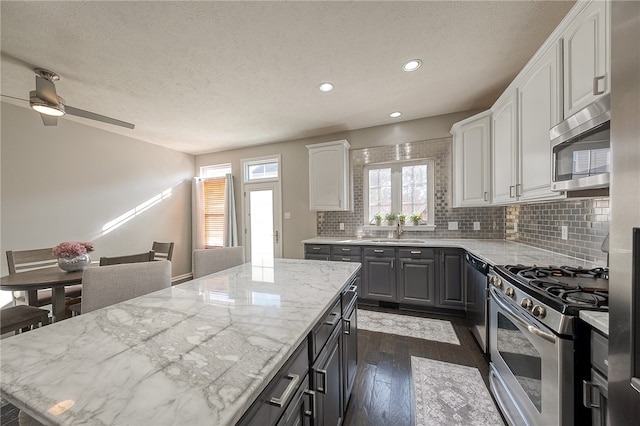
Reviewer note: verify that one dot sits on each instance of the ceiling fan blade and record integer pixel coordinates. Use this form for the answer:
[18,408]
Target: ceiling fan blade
[93,116]
[49,120]
[46,90]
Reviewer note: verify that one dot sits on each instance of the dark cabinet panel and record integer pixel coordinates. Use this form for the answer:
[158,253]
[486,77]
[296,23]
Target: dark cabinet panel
[349,351]
[417,281]
[300,411]
[380,278]
[326,375]
[451,289]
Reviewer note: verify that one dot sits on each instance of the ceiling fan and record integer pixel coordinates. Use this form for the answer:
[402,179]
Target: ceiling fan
[51,106]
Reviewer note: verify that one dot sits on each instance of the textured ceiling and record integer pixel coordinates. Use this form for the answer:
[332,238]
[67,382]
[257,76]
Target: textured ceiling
[207,76]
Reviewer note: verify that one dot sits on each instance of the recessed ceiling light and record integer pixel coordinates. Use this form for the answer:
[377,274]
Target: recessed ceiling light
[412,65]
[395,114]
[325,87]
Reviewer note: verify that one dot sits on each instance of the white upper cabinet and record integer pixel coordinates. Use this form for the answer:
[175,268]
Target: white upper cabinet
[472,161]
[504,149]
[329,176]
[586,57]
[539,107]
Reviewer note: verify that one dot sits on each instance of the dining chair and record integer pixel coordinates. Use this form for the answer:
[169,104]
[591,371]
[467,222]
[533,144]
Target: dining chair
[112,284]
[208,261]
[164,251]
[130,258]
[28,260]
[17,318]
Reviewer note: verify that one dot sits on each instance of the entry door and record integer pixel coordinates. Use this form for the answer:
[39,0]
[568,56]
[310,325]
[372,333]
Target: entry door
[263,222]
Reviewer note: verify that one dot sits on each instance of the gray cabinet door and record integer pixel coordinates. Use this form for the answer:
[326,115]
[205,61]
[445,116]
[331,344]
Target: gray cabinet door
[349,352]
[327,382]
[451,283]
[380,278]
[417,281]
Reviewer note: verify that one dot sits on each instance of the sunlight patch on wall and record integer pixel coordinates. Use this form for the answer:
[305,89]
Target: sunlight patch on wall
[124,218]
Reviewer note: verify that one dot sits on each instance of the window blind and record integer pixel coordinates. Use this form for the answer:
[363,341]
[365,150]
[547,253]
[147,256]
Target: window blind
[214,190]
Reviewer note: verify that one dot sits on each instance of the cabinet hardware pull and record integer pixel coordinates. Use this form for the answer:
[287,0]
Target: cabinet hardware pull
[378,251]
[346,249]
[587,387]
[335,319]
[511,191]
[416,251]
[347,326]
[596,85]
[280,402]
[393,261]
[346,259]
[323,388]
[486,196]
[312,397]
[315,248]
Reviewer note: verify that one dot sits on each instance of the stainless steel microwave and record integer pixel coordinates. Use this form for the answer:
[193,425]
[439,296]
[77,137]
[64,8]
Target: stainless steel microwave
[580,149]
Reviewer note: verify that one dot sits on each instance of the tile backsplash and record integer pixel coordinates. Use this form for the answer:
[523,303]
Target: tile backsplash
[538,225]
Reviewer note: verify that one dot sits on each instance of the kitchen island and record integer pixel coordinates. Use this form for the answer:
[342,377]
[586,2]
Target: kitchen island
[197,353]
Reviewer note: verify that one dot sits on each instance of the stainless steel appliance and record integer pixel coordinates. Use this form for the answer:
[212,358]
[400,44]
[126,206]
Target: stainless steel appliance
[532,338]
[580,149]
[624,319]
[477,299]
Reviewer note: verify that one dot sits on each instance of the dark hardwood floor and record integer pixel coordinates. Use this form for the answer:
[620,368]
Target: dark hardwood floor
[382,393]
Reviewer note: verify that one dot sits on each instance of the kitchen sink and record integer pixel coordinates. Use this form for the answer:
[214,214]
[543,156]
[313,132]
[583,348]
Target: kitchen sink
[394,240]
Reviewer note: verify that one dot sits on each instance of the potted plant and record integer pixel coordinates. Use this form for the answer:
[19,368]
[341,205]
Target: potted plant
[390,218]
[415,218]
[402,218]
[378,218]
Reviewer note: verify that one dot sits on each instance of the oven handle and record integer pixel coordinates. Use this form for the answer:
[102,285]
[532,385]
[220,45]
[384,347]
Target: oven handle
[532,328]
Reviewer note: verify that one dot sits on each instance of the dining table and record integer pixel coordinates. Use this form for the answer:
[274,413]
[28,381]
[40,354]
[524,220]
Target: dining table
[51,277]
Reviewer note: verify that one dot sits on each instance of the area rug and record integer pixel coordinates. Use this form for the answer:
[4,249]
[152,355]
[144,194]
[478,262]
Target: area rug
[405,325]
[450,394]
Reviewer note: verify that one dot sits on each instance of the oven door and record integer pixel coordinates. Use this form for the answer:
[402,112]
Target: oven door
[531,368]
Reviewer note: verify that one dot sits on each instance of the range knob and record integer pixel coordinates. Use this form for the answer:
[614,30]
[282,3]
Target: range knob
[510,292]
[539,311]
[526,303]
[496,281]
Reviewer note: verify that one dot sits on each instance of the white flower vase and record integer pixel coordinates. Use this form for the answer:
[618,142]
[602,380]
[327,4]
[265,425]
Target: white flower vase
[78,263]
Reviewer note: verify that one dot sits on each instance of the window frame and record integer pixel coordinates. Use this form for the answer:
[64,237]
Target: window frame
[219,170]
[396,189]
[256,161]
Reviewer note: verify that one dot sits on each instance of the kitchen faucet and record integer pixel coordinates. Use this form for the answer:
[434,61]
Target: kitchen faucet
[399,230]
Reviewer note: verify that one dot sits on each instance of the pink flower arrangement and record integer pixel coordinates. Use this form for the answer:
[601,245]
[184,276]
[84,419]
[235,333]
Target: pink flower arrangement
[72,249]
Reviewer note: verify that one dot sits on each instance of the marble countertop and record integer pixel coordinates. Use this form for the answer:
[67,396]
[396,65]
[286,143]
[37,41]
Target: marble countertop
[495,252]
[196,353]
[597,320]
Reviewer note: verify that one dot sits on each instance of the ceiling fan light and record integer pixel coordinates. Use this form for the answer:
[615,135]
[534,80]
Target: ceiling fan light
[44,107]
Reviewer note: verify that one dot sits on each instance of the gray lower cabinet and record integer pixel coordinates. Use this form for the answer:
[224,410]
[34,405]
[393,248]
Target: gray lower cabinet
[326,377]
[349,345]
[349,254]
[417,276]
[273,401]
[451,288]
[317,251]
[300,411]
[379,273]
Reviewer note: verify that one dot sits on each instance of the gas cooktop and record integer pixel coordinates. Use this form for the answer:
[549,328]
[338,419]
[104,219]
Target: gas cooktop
[564,288]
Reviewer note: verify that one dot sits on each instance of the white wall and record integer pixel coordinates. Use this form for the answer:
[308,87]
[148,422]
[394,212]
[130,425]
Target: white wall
[65,183]
[295,168]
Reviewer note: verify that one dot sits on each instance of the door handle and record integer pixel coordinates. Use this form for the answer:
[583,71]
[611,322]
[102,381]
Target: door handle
[280,402]
[323,388]
[596,85]
[312,396]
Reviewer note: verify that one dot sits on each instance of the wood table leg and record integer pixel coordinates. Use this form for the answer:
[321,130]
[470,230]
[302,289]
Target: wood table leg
[57,303]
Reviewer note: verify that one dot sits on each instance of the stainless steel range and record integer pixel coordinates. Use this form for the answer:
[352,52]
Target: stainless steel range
[532,339]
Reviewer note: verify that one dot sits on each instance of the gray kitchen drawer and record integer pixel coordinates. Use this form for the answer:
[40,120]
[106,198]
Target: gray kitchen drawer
[417,253]
[345,258]
[323,329]
[317,249]
[346,250]
[380,251]
[600,352]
